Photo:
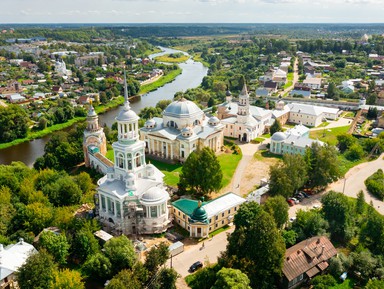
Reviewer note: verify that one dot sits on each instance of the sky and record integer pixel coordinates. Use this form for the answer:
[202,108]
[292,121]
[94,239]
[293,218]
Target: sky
[191,11]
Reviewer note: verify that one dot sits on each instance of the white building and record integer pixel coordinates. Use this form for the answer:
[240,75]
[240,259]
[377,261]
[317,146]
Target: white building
[12,258]
[313,82]
[311,115]
[293,141]
[241,120]
[183,128]
[131,197]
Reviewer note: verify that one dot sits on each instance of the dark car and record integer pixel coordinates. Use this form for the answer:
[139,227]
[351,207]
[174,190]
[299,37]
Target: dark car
[195,266]
[290,202]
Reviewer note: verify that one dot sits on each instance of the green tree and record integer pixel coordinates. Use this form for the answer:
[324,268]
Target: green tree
[365,263]
[167,278]
[275,127]
[331,90]
[84,244]
[125,279]
[13,123]
[7,211]
[323,282]
[289,237]
[37,272]
[355,152]
[255,247]
[323,165]
[204,278]
[37,217]
[120,252]
[345,141]
[228,278]
[201,172]
[97,266]
[277,207]
[156,257]
[66,279]
[309,224]
[360,202]
[374,284]
[337,211]
[211,102]
[162,104]
[55,244]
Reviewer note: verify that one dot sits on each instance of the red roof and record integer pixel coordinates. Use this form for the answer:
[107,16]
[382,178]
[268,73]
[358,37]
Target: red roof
[309,256]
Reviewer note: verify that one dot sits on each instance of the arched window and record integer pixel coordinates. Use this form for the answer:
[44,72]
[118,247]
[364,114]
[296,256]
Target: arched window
[138,159]
[196,122]
[120,160]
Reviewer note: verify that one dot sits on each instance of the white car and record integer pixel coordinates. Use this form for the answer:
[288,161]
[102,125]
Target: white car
[295,200]
[292,219]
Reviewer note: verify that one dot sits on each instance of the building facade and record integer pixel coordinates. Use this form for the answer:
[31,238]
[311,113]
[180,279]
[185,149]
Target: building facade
[183,128]
[131,198]
[201,218]
[293,141]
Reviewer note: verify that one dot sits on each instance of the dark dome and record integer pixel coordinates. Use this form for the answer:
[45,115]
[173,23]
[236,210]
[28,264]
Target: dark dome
[199,215]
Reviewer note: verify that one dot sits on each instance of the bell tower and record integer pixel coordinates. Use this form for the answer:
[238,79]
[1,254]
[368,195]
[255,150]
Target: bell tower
[94,138]
[128,150]
[243,107]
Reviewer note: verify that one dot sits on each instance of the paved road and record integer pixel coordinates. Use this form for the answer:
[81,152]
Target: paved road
[295,77]
[209,253]
[337,123]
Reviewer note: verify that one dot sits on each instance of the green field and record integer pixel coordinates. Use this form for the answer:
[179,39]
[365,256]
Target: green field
[170,59]
[328,135]
[162,81]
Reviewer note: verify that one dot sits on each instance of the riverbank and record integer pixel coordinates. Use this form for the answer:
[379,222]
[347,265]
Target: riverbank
[99,109]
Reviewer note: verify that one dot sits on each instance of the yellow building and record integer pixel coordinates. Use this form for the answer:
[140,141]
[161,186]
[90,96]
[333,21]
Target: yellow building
[201,218]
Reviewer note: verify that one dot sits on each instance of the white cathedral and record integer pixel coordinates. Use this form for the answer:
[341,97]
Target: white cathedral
[131,198]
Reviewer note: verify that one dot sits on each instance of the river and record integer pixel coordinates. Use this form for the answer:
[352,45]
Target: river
[191,76]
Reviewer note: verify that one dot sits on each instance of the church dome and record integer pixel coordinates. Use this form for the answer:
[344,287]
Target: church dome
[91,111]
[182,108]
[279,136]
[199,214]
[127,115]
[154,195]
[213,121]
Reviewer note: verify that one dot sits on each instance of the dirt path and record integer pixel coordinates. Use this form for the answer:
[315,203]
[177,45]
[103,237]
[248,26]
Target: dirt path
[250,170]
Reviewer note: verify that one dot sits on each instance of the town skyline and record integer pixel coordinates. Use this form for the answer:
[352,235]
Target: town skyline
[193,11]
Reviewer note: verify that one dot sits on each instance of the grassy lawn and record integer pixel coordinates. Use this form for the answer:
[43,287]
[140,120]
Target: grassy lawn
[171,171]
[168,58]
[346,165]
[323,124]
[261,155]
[267,135]
[162,81]
[328,135]
[228,164]
[110,155]
[288,84]
[348,114]
[218,231]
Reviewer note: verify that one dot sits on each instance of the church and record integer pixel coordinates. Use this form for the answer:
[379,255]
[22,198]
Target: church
[131,198]
[183,128]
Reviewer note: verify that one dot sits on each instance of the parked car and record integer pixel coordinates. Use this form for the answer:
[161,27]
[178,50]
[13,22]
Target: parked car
[195,266]
[295,200]
[299,196]
[290,202]
[305,194]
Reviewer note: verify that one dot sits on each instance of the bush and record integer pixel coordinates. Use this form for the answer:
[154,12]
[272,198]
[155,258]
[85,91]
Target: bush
[375,184]
[323,282]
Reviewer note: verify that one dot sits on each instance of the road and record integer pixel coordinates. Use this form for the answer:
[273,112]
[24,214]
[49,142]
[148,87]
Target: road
[208,254]
[295,77]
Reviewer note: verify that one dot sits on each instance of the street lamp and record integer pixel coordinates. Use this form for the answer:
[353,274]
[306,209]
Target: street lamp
[345,180]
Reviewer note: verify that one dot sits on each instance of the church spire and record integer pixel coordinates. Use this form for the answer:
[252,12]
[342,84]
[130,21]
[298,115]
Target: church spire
[244,91]
[126,102]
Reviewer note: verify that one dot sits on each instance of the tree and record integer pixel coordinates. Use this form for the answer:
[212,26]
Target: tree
[37,217]
[365,263]
[323,282]
[201,172]
[167,278]
[337,211]
[125,279]
[55,244]
[345,141]
[13,123]
[211,102]
[37,272]
[374,284]
[255,247]
[7,210]
[372,113]
[66,279]
[228,278]
[275,127]
[331,90]
[355,152]
[277,207]
[43,122]
[323,165]
[204,278]
[120,252]
[289,237]
[84,244]
[288,176]
[360,203]
[309,224]
[97,266]
[156,257]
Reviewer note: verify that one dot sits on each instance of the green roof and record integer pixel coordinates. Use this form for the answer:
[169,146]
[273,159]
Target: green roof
[187,206]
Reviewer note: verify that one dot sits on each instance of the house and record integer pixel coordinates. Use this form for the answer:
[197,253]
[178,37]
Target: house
[305,260]
[303,93]
[262,92]
[313,83]
[56,89]
[271,86]
[201,218]
[280,113]
[279,76]
[12,258]
[83,99]
[259,196]
[16,98]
